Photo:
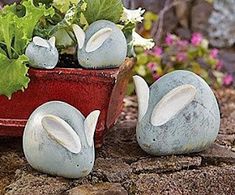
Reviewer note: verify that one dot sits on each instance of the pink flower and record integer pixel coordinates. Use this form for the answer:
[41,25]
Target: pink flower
[180,57]
[157,51]
[219,65]
[196,39]
[214,53]
[228,79]
[169,39]
[182,43]
[152,66]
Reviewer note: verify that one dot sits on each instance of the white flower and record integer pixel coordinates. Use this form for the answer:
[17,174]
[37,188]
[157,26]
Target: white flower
[132,15]
[205,43]
[142,42]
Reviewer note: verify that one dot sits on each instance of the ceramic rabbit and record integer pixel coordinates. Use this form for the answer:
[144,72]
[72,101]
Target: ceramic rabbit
[42,53]
[58,140]
[178,114]
[103,45]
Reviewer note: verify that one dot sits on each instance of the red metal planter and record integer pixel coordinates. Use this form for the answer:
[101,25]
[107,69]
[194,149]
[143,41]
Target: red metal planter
[87,90]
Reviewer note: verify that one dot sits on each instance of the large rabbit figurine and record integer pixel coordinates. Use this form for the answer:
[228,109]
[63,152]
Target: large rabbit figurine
[178,114]
[58,140]
[103,45]
[42,53]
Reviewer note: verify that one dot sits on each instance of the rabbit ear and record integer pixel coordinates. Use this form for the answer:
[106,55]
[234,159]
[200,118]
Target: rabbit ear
[98,39]
[90,126]
[80,35]
[41,42]
[60,131]
[172,103]
[142,92]
[52,41]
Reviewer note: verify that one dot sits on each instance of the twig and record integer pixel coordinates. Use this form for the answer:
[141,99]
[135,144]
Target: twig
[158,27]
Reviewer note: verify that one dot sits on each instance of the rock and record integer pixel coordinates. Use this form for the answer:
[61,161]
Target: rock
[182,12]
[120,142]
[33,183]
[225,140]
[184,33]
[228,58]
[217,154]
[114,170]
[199,16]
[99,189]
[221,28]
[208,180]
[165,164]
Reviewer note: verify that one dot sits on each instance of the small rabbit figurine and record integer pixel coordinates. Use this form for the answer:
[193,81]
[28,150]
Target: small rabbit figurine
[42,53]
[58,140]
[178,114]
[102,46]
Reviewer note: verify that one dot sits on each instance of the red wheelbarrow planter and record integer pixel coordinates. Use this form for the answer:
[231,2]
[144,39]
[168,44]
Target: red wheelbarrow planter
[87,90]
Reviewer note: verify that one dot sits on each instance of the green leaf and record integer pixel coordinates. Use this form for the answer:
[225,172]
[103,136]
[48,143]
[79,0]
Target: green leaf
[103,10]
[7,31]
[13,75]
[130,89]
[64,5]
[16,31]
[2,51]
[25,25]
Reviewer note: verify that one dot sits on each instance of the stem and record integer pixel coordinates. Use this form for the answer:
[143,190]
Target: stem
[159,25]
[9,50]
[71,36]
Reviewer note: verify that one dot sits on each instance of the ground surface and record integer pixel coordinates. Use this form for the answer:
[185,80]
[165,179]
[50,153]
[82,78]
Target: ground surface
[123,168]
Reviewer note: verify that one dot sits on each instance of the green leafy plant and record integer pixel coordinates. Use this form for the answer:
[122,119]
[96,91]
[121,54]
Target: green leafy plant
[16,30]
[47,18]
[103,9]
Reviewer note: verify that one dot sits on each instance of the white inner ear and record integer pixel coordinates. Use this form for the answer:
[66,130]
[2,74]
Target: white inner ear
[52,41]
[90,126]
[96,41]
[142,92]
[80,35]
[172,103]
[41,42]
[60,131]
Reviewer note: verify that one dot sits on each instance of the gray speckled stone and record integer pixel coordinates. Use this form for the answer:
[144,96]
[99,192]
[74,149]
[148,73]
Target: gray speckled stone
[112,52]
[46,155]
[193,129]
[42,57]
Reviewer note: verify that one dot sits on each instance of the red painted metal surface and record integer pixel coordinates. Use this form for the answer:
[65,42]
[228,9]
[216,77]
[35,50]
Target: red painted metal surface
[87,90]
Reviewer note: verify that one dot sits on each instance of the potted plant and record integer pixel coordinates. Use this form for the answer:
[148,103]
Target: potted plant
[36,36]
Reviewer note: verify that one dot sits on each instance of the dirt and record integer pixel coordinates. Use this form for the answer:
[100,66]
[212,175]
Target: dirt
[121,167]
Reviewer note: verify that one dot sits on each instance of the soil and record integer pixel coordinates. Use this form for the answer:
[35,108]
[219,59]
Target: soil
[68,61]
[123,168]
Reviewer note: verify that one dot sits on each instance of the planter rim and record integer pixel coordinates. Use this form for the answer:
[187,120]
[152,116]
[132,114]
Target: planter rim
[82,71]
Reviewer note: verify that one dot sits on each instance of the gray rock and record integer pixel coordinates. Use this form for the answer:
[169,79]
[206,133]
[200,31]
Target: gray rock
[32,183]
[166,164]
[99,189]
[222,20]
[114,170]
[200,14]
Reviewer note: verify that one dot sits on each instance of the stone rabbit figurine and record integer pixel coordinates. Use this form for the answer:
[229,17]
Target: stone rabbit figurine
[103,45]
[178,114]
[58,140]
[42,53]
